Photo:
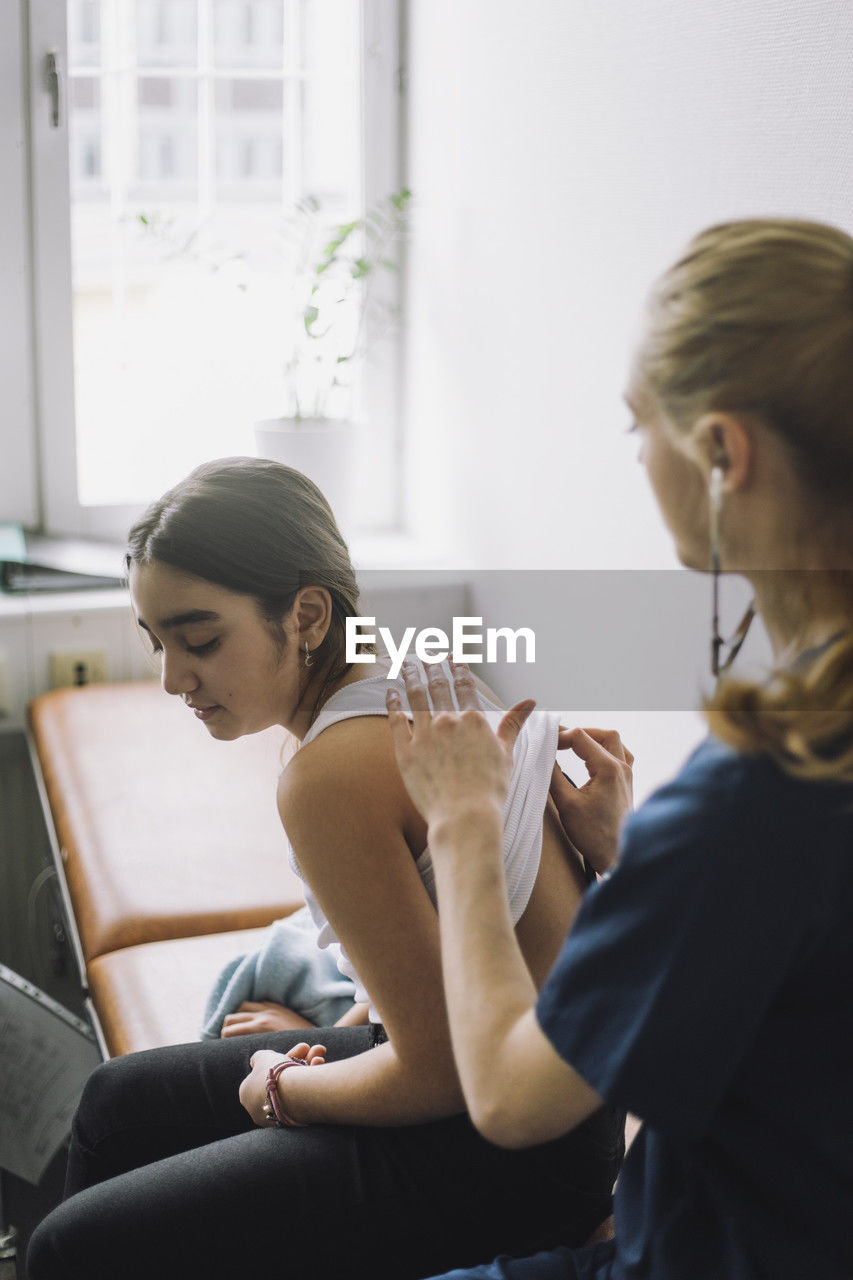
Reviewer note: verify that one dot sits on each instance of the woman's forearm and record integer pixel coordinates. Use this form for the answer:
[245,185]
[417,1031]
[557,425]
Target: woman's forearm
[487,984]
[518,1090]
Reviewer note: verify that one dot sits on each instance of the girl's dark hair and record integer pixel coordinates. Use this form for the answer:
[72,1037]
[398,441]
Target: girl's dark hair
[258,528]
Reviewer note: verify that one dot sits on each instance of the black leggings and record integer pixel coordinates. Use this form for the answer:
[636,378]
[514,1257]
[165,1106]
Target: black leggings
[169,1177]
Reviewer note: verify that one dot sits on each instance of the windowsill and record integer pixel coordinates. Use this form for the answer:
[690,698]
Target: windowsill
[22,604]
[371,553]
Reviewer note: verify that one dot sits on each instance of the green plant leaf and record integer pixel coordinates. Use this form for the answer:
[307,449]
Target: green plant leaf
[344,231]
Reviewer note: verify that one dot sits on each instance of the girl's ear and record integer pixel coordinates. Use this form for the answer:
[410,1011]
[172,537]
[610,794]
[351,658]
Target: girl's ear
[312,611]
[724,440]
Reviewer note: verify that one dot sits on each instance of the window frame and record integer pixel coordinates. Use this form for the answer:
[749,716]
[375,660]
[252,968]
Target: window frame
[53,429]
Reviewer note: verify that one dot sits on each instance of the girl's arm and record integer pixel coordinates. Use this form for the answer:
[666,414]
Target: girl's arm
[346,810]
[354,1017]
[257,1016]
[518,1089]
[262,1016]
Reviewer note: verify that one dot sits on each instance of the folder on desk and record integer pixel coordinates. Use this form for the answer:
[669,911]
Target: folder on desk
[31,562]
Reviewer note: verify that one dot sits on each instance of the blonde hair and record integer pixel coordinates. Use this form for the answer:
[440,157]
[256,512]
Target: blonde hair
[757,316]
[804,719]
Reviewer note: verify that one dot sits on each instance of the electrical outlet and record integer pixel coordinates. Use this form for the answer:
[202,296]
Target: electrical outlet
[76,667]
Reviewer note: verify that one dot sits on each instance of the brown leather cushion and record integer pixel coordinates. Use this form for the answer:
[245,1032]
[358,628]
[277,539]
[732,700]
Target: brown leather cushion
[156,994]
[164,832]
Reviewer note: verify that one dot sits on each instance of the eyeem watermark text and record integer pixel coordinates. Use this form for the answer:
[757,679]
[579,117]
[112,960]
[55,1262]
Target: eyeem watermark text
[468,642]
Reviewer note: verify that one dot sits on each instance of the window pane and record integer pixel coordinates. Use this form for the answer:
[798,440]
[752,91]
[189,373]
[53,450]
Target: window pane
[85,144]
[331,149]
[84,31]
[249,33]
[166,138]
[195,127]
[166,32]
[249,144]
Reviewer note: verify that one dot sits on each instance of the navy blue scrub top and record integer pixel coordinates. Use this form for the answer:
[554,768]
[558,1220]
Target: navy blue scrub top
[707,987]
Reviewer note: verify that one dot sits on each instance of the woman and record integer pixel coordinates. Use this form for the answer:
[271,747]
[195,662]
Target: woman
[185,1161]
[705,985]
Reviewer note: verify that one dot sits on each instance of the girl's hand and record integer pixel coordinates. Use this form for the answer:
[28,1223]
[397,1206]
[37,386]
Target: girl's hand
[255,1016]
[451,761]
[592,815]
[253,1090]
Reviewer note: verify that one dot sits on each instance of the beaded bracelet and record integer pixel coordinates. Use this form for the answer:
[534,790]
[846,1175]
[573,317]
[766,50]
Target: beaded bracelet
[272,1107]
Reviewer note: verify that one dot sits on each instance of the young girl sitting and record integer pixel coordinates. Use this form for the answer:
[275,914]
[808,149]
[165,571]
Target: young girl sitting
[185,1160]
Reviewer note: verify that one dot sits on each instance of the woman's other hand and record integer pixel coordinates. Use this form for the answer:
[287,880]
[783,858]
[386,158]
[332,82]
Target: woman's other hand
[253,1089]
[451,761]
[592,815]
[255,1016]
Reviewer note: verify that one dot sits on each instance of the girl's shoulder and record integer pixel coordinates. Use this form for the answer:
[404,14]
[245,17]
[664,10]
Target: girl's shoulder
[349,767]
[365,699]
[354,744]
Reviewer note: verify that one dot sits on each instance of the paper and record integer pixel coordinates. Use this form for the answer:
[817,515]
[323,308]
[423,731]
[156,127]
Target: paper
[46,1056]
[13,545]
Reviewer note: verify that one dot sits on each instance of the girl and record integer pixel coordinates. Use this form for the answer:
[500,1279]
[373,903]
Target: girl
[705,984]
[184,1161]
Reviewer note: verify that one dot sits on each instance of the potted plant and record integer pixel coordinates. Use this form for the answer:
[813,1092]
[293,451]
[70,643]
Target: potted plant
[334,312]
[317,294]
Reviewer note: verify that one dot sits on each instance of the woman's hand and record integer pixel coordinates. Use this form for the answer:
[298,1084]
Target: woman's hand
[253,1089]
[256,1016]
[592,815]
[451,761]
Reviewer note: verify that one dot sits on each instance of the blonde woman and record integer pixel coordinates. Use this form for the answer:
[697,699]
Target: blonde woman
[706,982]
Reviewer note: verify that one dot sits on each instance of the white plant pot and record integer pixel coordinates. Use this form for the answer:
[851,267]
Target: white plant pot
[322,449]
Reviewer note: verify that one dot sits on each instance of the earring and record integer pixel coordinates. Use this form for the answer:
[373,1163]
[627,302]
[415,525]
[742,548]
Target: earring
[309,661]
[715,507]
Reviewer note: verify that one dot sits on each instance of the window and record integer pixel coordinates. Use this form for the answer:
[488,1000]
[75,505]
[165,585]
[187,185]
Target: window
[187,131]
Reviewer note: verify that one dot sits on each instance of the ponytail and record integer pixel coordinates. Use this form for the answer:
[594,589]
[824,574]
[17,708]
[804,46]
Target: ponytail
[803,719]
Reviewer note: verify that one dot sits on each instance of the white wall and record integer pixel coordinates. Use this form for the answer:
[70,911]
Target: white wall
[561,153]
[32,629]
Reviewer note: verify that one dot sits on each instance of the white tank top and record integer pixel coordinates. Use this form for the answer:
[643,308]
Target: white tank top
[533,760]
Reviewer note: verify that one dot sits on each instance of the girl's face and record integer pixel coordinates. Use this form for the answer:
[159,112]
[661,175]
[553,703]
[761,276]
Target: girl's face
[216,651]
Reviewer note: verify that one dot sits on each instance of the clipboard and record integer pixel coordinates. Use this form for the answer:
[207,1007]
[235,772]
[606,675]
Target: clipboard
[47,1054]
